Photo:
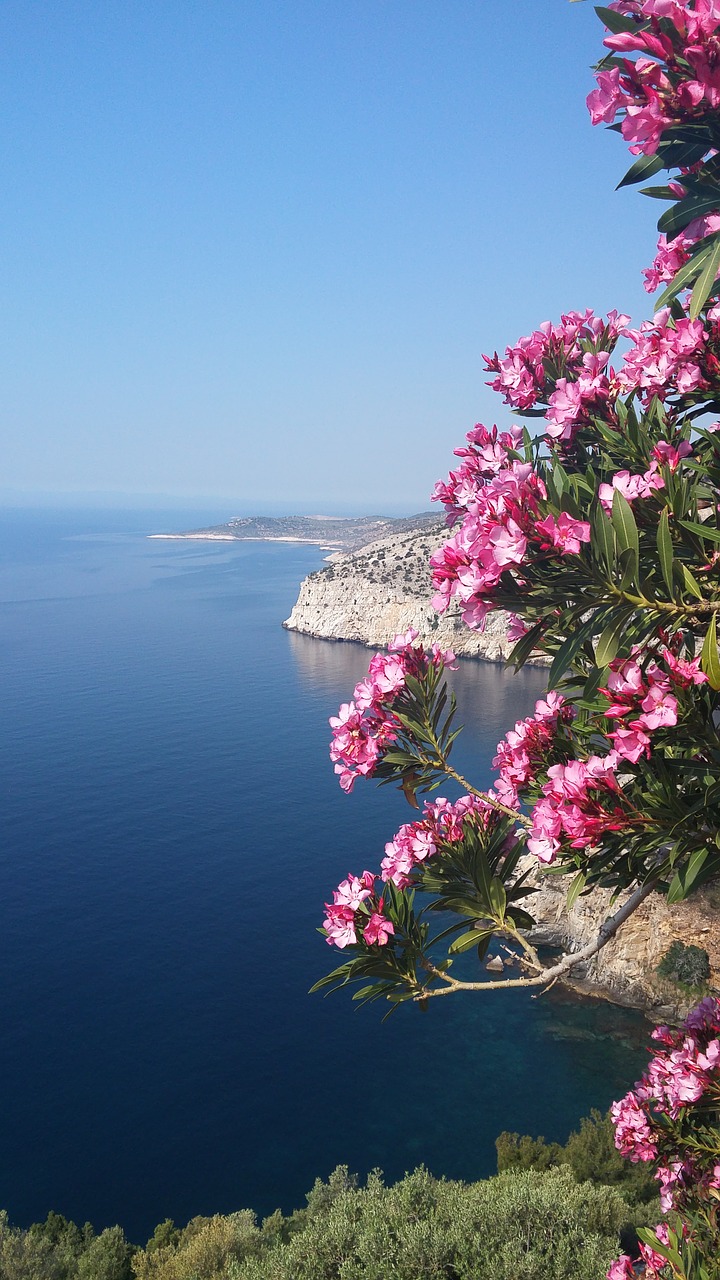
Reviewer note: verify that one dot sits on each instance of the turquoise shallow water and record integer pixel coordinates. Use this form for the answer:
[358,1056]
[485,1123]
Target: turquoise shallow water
[171,827]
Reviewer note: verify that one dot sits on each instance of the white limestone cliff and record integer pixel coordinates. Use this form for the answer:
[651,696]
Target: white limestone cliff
[375,593]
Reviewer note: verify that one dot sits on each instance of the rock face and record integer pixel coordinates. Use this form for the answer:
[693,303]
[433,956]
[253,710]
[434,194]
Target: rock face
[373,594]
[625,968]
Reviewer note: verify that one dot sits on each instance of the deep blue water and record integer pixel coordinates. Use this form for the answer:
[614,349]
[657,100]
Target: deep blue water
[170,830]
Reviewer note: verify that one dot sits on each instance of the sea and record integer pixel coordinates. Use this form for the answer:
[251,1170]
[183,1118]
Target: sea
[171,827]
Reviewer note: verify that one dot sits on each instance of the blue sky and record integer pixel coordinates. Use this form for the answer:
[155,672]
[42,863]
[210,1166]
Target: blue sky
[255,248]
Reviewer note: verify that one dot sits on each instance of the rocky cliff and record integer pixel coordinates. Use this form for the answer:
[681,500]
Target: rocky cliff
[372,594]
[625,969]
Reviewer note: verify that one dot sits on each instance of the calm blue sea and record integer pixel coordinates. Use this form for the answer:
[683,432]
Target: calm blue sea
[170,829]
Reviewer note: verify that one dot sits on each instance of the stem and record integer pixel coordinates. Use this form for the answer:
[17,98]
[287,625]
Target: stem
[663,606]
[606,932]
[484,795]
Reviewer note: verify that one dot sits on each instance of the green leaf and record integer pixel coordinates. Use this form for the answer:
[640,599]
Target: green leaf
[706,279]
[609,642]
[498,898]
[568,649]
[576,889]
[525,646]
[629,568]
[615,22]
[691,583]
[468,940]
[665,550]
[643,167]
[685,878]
[706,531]
[603,542]
[675,220]
[710,660]
[659,193]
[624,524]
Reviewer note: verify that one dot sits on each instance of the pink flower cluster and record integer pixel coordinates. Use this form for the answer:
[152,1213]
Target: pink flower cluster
[355,913]
[651,97]
[364,728]
[623,1269]
[667,356]
[579,801]
[499,497]
[673,254]
[526,747]
[355,910]
[685,1071]
[561,366]
[442,823]
[631,486]
[642,700]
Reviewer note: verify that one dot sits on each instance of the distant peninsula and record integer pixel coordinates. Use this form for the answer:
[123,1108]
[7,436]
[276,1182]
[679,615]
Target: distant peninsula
[331,533]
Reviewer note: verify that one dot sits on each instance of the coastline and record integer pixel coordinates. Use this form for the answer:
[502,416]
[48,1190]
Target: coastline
[322,543]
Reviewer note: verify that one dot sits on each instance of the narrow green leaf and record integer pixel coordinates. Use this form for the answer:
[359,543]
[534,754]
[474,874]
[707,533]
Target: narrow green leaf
[629,568]
[691,583]
[706,279]
[659,193]
[643,167]
[576,889]
[665,550]
[524,647]
[609,642]
[602,540]
[675,220]
[498,898]
[572,644]
[686,878]
[706,531]
[624,524]
[710,660]
[615,22]
[468,940]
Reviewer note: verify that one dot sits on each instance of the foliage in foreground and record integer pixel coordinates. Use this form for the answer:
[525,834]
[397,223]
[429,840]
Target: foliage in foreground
[526,1224]
[590,1153]
[599,533]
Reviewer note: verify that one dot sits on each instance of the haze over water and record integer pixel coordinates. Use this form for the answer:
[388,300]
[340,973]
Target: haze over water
[171,829]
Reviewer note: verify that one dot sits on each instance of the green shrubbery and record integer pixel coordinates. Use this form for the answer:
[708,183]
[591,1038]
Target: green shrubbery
[590,1152]
[546,1216]
[688,966]
[521,1225]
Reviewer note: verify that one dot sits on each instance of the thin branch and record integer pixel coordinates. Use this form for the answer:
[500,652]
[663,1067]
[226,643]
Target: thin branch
[546,977]
[482,795]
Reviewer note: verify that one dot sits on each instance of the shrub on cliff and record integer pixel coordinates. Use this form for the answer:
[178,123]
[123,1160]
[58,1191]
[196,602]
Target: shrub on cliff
[519,1226]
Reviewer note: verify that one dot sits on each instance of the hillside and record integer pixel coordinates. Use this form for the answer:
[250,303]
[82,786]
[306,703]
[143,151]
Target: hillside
[334,533]
[372,594]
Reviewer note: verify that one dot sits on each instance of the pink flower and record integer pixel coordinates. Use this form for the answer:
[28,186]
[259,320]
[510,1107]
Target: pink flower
[351,892]
[603,103]
[630,486]
[339,925]
[622,1268]
[669,454]
[631,744]
[378,929]
[565,533]
[659,709]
